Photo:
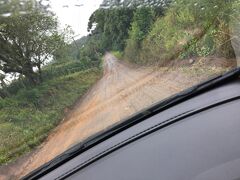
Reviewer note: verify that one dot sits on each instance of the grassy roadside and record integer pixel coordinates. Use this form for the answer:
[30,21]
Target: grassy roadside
[27,117]
[117,54]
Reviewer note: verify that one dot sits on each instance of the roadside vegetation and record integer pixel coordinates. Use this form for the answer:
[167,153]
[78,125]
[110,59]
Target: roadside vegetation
[191,29]
[28,116]
[117,54]
[159,32]
[28,111]
[42,75]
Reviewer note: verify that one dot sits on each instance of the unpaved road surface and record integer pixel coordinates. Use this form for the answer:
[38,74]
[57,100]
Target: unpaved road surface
[121,92]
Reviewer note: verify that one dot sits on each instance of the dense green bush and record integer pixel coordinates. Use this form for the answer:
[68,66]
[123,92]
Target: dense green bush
[112,26]
[187,29]
[27,96]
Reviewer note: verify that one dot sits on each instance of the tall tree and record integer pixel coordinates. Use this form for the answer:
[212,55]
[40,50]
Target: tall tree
[28,38]
[112,25]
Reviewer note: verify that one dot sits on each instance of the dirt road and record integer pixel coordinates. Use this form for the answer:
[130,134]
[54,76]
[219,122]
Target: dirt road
[121,92]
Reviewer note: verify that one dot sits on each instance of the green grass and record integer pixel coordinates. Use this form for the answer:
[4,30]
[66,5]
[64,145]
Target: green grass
[118,54]
[27,117]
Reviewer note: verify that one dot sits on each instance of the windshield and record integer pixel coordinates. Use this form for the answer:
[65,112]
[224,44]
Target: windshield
[72,68]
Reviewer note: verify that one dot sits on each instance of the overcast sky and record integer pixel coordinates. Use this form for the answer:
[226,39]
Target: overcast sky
[75,13]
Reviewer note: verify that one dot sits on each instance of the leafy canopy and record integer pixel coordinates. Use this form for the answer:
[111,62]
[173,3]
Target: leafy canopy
[28,38]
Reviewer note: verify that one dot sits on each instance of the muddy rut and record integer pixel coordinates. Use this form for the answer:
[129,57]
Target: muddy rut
[121,92]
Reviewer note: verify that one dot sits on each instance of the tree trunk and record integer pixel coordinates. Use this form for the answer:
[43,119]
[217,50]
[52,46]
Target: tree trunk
[32,78]
[40,72]
[30,74]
